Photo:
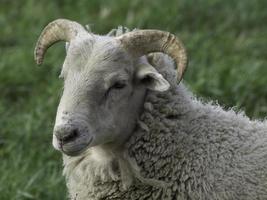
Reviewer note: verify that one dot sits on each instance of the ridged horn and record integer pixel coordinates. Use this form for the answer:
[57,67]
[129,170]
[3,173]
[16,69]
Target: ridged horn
[55,31]
[142,42]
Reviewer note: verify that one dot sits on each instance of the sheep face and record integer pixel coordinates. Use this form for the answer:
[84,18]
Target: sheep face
[105,81]
[104,89]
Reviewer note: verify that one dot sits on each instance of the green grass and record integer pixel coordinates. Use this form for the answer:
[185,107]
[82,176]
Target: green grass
[226,42]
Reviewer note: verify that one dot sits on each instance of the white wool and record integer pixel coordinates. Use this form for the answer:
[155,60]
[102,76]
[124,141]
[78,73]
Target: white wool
[182,148]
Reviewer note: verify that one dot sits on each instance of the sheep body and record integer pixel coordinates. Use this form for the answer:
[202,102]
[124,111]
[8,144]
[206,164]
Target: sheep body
[196,149]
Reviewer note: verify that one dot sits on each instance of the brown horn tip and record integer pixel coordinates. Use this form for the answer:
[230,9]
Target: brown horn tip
[57,30]
[142,42]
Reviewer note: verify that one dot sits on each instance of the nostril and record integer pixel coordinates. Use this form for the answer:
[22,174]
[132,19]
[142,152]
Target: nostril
[70,136]
[66,134]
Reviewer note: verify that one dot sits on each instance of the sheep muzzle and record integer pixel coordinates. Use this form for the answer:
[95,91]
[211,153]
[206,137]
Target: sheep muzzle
[71,139]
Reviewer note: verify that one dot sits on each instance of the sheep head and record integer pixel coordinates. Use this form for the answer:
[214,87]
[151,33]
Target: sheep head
[105,81]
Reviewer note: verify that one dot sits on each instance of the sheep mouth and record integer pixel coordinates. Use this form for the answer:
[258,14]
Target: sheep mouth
[75,148]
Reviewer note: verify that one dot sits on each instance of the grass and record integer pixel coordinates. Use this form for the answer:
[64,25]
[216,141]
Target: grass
[227,46]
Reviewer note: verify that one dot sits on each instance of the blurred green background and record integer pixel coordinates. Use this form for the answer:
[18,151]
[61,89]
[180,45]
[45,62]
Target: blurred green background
[226,42]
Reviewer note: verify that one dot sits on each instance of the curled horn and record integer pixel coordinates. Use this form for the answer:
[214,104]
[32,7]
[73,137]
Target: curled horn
[142,42]
[57,30]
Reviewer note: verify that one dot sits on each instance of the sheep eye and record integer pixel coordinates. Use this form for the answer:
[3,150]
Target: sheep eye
[118,85]
[115,87]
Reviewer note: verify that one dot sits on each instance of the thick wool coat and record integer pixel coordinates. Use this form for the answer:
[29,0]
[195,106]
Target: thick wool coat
[182,148]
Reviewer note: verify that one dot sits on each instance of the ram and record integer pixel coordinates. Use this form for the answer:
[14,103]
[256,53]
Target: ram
[128,129]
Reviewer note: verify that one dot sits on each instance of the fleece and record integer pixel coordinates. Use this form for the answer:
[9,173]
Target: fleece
[182,148]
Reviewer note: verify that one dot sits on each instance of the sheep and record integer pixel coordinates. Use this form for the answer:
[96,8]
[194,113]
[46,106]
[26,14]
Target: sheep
[129,129]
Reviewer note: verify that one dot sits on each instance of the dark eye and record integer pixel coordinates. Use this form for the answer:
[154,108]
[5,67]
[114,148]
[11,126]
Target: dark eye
[118,85]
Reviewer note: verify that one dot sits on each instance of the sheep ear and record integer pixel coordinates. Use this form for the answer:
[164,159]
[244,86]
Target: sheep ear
[67,44]
[151,78]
